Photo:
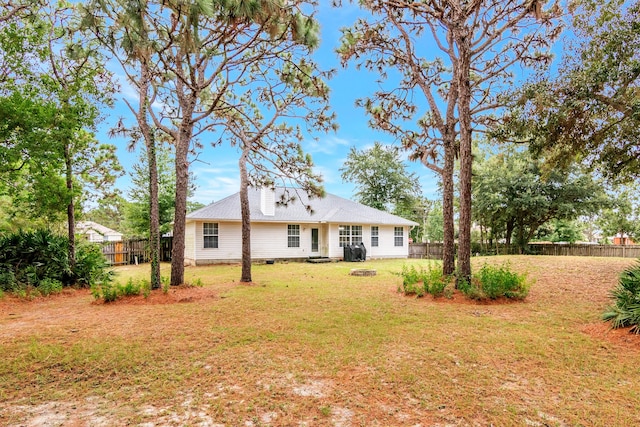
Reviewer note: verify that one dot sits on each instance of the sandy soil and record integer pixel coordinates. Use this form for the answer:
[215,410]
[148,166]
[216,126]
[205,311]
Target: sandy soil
[74,310]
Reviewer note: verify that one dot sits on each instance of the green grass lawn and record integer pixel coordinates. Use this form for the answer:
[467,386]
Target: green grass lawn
[310,345]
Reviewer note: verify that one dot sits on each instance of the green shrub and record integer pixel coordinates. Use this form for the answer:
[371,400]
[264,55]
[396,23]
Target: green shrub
[49,286]
[7,278]
[91,265]
[410,282]
[107,291]
[492,282]
[129,288]
[111,291]
[471,291]
[166,282]
[146,289]
[435,283]
[410,275]
[421,282]
[197,282]
[625,311]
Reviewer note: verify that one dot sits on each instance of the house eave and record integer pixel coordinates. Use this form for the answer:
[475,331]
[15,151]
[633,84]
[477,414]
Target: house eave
[302,221]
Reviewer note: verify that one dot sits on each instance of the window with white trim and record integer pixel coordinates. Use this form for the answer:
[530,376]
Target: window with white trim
[374,236]
[356,234]
[293,235]
[344,232]
[398,236]
[210,235]
[349,235]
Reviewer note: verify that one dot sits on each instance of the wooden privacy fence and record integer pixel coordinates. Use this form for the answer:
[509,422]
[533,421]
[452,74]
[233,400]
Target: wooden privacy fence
[425,250]
[434,250]
[621,251]
[134,251]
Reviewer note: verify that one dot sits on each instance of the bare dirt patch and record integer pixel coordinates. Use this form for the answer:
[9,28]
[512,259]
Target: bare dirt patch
[621,337]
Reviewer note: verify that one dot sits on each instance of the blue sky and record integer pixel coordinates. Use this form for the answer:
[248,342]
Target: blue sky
[216,170]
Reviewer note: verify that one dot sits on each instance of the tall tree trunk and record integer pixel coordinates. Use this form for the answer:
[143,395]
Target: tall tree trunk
[466,160]
[520,237]
[71,214]
[509,232]
[448,239]
[180,217]
[154,213]
[449,143]
[246,217]
[150,143]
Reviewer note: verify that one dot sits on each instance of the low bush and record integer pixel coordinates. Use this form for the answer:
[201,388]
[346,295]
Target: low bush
[492,282]
[435,283]
[48,286]
[425,281]
[625,311]
[91,265]
[411,282]
[130,288]
[110,291]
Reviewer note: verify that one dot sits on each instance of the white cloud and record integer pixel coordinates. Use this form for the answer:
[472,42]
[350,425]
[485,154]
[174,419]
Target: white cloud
[329,145]
[215,183]
[329,175]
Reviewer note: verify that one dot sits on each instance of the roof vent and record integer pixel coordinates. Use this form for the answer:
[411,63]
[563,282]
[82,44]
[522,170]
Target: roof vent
[268,201]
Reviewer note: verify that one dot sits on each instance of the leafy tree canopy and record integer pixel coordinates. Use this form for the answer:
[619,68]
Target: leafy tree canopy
[52,85]
[381,178]
[514,195]
[590,110]
[622,216]
[137,210]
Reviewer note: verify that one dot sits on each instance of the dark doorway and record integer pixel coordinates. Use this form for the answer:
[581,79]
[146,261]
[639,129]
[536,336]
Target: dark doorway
[314,240]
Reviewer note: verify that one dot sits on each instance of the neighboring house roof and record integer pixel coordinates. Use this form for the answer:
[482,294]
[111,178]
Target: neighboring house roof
[331,208]
[88,226]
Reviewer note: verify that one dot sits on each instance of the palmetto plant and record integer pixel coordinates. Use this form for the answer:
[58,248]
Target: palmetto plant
[28,257]
[35,258]
[625,311]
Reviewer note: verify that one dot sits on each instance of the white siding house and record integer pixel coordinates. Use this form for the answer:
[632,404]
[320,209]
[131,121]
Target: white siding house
[95,232]
[214,235]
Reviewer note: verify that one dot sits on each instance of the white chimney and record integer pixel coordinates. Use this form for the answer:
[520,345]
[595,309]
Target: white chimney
[268,201]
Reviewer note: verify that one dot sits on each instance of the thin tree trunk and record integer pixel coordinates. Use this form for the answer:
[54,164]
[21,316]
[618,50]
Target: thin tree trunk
[509,232]
[180,217]
[154,214]
[71,214]
[150,143]
[448,245]
[449,143]
[520,238]
[466,160]
[246,217]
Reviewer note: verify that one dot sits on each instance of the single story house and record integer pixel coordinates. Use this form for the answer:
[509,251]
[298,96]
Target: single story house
[95,232]
[214,233]
[622,239]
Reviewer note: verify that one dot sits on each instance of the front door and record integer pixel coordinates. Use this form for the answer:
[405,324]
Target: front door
[314,240]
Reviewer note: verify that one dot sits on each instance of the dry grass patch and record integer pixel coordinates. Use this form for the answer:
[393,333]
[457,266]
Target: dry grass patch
[310,345]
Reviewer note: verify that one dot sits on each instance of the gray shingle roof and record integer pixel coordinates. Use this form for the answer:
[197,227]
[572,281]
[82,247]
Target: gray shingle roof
[85,226]
[331,209]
